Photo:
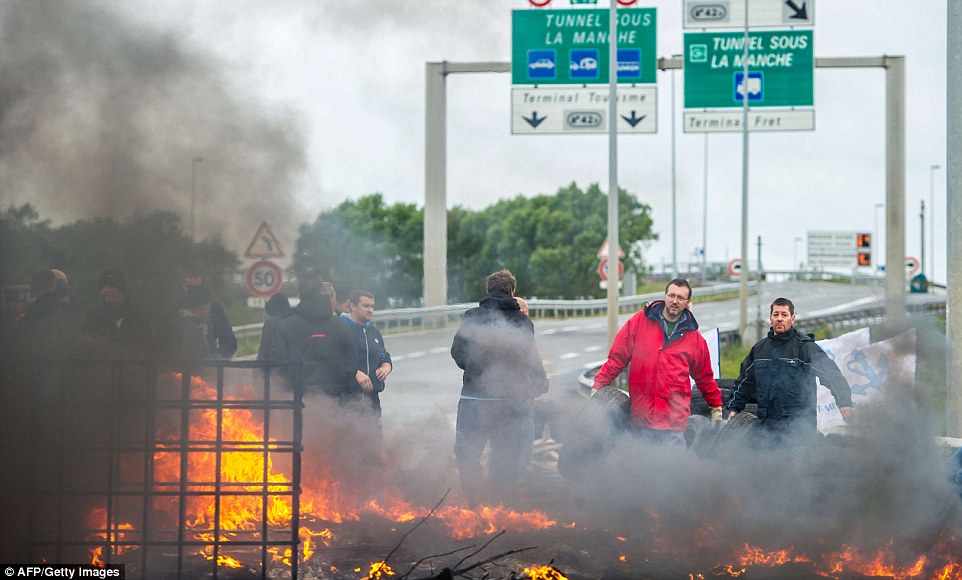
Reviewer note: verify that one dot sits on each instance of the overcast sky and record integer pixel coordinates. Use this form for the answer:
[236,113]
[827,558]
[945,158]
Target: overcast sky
[346,80]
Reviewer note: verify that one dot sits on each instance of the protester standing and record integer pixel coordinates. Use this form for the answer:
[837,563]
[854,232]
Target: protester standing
[503,373]
[118,318]
[316,346]
[220,333]
[374,361]
[779,374]
[663,347]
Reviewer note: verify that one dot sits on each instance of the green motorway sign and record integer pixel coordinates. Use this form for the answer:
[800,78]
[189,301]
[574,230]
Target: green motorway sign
[781,69]
[570,47]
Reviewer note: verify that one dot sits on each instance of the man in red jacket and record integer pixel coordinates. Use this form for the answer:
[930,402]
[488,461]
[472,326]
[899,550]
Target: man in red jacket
[663,347]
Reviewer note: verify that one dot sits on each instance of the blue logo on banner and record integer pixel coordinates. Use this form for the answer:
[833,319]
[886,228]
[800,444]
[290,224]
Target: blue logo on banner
[756,86]
[584,64]
[629,63]
[542,64]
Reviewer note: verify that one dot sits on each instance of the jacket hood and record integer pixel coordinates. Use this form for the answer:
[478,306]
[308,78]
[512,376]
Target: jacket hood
[500,301]
[686,321]
[314,308]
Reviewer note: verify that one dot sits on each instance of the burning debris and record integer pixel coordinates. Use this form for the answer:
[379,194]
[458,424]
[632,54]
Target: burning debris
[205,475]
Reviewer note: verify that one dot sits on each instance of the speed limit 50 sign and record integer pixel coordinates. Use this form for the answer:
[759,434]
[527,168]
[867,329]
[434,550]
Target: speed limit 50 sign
[264,278]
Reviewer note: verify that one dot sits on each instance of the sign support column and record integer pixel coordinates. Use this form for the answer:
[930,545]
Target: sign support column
[743,282]
[953,215]
[613,235]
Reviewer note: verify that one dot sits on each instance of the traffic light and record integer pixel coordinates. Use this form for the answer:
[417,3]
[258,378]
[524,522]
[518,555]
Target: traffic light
[863,244]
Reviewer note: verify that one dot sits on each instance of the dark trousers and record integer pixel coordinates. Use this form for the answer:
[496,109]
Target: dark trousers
[508,426]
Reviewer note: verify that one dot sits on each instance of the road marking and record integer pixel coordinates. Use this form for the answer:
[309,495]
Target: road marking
[568,355]
[592,348]
[439,350]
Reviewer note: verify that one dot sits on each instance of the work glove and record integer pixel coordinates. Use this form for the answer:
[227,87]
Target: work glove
[716,416]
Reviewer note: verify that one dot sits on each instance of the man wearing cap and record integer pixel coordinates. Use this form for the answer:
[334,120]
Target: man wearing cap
[220,333]
[193,341]
[118,319]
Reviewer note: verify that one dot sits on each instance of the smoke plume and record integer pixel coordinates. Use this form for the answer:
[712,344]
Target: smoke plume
[102,116]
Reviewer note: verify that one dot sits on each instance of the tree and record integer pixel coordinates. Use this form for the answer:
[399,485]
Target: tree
[366,245]
[151,250]
[549,242]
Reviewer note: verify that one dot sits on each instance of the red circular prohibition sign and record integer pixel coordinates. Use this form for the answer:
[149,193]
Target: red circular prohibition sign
[264,278]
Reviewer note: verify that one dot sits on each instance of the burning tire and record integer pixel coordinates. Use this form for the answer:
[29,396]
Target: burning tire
[592,435]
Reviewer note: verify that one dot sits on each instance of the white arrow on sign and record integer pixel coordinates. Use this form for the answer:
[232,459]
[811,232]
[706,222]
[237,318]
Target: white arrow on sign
[761,13]
[557,110]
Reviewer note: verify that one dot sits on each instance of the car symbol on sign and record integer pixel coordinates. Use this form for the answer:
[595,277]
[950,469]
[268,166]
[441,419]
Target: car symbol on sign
[542,63]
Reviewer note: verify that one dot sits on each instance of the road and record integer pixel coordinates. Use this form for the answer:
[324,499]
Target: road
[426,382]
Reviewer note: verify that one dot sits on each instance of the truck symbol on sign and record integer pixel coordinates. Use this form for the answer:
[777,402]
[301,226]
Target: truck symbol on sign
[755,86]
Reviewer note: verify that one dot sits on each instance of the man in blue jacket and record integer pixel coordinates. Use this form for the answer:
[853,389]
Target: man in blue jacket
[779,373]
[374,361]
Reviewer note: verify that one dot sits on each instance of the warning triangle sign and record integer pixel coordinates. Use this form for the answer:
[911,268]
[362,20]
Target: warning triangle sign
[265,244]
[603,251]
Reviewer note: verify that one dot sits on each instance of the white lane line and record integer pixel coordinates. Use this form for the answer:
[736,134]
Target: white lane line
[592,348]
[439,350]
[568,355]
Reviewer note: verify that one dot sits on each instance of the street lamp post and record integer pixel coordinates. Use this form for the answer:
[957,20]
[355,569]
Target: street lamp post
[932,170]
[193,192]
[925,271]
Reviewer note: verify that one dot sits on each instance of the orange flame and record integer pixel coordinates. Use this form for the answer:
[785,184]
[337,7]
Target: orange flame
[245,468]
[544,573]
[468,523]
[379,570]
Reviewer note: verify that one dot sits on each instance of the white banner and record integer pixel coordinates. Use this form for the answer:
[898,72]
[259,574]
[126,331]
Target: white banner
[869,368]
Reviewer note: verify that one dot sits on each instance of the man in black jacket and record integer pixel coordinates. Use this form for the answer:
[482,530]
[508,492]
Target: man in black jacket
[220,333]
[503,373]
[779,373]
[374,361]
[317,346]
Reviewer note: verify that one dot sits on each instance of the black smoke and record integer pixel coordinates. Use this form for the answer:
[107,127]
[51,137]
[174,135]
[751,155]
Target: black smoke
[101,115]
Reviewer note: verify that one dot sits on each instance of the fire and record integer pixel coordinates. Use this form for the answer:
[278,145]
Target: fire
[544,573]
[754,556]
[881,562]
[379,570]
[97,519]
[468,523]
[242,504]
